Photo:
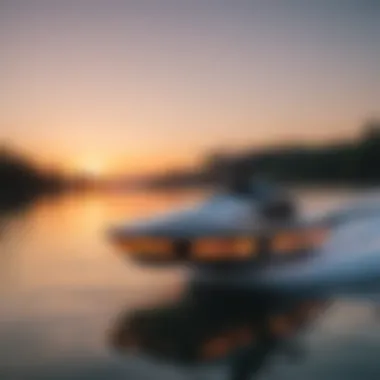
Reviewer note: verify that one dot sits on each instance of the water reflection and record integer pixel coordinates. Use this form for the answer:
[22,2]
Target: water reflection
[62,284]
[209,326]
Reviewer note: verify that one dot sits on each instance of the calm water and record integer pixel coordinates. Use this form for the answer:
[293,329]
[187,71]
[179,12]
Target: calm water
[73,308]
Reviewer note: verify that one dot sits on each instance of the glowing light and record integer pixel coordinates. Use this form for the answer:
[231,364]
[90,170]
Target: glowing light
[91,168]
[224,248]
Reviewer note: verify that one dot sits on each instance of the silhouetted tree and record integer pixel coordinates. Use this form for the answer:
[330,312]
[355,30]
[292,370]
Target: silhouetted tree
[355,162]
[21,181]
[369,152]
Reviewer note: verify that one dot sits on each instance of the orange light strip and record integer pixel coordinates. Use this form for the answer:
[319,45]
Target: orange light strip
[146,246]
[292,241]
[224,248]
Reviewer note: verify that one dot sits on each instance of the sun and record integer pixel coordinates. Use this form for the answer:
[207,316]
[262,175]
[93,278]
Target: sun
[91,168]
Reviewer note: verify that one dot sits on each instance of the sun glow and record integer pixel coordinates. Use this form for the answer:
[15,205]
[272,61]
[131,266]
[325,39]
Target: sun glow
[92,168]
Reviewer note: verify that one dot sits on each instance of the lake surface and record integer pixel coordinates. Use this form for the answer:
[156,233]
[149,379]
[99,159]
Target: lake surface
[73,308]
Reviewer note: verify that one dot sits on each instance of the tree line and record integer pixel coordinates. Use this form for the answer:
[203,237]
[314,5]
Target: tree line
[350,162]
[21,180]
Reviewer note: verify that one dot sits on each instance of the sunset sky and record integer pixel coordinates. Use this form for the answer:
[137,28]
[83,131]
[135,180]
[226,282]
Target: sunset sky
[123,86]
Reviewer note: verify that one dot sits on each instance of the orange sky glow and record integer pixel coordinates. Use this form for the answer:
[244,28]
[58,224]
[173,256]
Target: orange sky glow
[108,88]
